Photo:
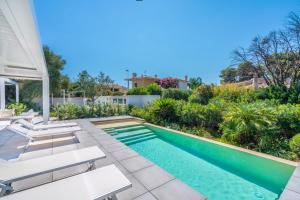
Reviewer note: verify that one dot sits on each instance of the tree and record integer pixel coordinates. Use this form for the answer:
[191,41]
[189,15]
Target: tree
[195,83]
[229,75]
[86,83]
[103,83]
[55,64]
[57,81]
[93,86]
[246,71]
[276,56]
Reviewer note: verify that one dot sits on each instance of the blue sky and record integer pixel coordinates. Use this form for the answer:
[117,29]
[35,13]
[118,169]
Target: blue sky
[163,37]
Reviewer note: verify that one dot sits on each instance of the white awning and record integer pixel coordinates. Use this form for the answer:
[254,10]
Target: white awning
[21,54]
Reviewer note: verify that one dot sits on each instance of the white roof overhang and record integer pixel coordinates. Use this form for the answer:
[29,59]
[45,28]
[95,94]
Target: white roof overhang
[21,55]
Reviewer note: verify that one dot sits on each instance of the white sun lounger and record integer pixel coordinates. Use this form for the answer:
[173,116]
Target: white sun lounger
[44,126]
[15,171]
[33,135]
[97,184]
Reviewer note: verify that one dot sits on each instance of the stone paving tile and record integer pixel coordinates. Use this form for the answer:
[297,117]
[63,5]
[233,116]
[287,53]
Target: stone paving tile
[146,196]
[136,190]
[297,172]
[105,161]
[115,147]
[124,154]
[152,177]
[70,171]
[293,184]
[175,189]
[289,195]
[135,163]
[121,168]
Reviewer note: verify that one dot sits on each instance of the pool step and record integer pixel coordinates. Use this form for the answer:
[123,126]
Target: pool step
[134,137]
[131,128]
[140,140]
[117,134]
[131,134]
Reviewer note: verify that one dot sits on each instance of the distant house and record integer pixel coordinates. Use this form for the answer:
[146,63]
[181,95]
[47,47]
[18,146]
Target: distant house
[117,88]
[144,81]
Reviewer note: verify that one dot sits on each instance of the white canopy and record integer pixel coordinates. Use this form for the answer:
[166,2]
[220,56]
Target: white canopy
[21,54]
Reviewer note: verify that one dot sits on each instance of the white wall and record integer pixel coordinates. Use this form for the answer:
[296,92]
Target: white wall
[136,100]
[182,85]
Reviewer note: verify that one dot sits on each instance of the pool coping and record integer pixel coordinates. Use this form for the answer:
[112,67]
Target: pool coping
[288,162]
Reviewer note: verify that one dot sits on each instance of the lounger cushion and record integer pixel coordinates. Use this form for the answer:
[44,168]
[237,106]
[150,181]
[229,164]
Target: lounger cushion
[44,126]
[54,131]
[14,171]
[96,184]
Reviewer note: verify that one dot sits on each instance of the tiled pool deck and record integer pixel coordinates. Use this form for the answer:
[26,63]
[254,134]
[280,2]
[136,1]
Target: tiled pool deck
[149,182]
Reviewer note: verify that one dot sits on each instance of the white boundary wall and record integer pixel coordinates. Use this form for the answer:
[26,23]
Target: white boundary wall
[136,100]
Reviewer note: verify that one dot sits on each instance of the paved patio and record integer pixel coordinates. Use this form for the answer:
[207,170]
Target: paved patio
[149,182]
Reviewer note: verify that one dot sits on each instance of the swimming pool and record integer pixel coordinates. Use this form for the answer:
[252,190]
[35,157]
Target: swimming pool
[217,171]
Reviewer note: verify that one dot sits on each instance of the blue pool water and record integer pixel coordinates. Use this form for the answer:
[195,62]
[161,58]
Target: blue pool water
[218,172]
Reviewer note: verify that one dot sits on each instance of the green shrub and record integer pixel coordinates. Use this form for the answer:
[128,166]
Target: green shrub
[282,94]
[164,110]
[154,89]
[18,107]
[202,94]
[246,123]
[177,94]
[137,91]
[196,115]
[295,144]
[288,119]
[232,93]
[72,111]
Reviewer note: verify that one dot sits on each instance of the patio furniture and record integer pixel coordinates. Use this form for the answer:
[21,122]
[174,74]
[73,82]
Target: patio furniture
[97,184]
[34,135]
[16,171]
[44,126]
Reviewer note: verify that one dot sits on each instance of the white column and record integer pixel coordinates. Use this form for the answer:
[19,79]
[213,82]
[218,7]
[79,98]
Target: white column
[17,93]
[46,108]
[2,94]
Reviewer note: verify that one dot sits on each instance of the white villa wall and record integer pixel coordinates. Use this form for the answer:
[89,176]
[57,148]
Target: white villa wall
[182,85]
[136,100]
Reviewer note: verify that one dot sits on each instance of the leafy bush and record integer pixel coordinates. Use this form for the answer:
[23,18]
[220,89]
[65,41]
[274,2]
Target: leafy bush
[233,93]
[282,94]
[177,94]
[202,94]
[154,89]
[164,110]
[137,91]
[246,123]
[288,119]
[295,144]
[72,111]
[18,107]
[141,113]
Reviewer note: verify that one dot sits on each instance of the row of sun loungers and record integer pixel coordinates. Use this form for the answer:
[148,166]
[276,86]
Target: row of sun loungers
[98,183]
